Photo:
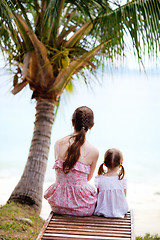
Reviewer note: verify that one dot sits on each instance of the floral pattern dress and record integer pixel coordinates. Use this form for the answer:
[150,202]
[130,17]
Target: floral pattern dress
[71,194]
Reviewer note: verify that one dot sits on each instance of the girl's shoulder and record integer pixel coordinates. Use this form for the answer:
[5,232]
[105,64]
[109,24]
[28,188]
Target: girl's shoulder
[98,178]
[96,181]
[101,180]
[124,179]
[104,177]
[124,182]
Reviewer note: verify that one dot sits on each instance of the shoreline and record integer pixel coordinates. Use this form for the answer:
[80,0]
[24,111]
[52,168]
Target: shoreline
[144,202]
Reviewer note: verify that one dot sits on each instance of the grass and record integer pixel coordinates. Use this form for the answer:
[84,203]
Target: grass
[149,237]
[14,229]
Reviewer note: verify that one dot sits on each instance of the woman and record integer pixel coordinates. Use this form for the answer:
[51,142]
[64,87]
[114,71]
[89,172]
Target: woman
[75,163]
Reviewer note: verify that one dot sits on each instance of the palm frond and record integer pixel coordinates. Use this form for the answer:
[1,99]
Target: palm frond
[51,18]
[23,12]
[64,34]
[19,87]
[79,34]
[8,12]
[66,73]
[139,18]
[41,52]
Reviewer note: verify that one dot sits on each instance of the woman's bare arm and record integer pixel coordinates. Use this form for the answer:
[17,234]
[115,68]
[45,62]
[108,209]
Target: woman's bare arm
[93,164]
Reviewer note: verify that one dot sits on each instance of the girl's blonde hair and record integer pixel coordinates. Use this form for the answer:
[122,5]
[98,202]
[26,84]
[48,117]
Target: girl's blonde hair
[112,158]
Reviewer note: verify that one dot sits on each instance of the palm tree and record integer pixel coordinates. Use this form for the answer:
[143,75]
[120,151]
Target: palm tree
[48,42]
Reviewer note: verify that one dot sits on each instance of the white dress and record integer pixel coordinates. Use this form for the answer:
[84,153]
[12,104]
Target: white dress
[111,201]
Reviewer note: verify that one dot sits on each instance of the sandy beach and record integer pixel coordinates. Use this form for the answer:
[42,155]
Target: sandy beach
[142,199]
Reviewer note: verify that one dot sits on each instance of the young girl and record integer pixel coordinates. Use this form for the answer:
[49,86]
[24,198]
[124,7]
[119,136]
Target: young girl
[111,186]
[75,163]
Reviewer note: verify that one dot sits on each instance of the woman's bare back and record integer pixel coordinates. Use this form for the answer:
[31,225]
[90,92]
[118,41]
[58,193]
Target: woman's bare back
[88,153]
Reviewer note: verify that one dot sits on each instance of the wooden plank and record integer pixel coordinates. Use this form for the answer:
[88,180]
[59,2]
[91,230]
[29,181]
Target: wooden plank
[101,220]
[90,222]
[44,226]
[128,229]
[90,219]
[93,224]
[86,233]
[79,237]
[93,227]
[105,226]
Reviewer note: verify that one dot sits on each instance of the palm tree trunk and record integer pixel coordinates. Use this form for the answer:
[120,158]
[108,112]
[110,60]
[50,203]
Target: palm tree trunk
[29,190]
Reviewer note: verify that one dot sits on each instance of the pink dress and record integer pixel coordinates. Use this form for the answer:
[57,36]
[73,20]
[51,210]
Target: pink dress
[71,194]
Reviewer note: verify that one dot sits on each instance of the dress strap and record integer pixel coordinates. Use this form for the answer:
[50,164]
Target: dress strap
[58,149]
[85,155]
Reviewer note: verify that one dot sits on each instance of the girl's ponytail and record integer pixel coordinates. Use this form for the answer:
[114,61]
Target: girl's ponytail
[101,170]
[121,173]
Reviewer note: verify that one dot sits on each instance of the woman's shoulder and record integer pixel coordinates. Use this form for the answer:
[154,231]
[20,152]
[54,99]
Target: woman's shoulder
[91,152]
[92,149]
[62,141]
[61,146]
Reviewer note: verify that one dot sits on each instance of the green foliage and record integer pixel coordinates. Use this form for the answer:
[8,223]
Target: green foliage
[148,237]
[69,87]
[12,228]
[62,32]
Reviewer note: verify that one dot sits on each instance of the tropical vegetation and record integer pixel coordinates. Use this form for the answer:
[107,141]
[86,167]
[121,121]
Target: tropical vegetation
[49,43]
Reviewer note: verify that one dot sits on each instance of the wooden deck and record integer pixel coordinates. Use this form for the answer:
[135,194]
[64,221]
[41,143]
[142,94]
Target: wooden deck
[78,228]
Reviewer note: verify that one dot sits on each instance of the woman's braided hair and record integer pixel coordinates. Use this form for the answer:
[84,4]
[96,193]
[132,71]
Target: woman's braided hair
[82,120]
